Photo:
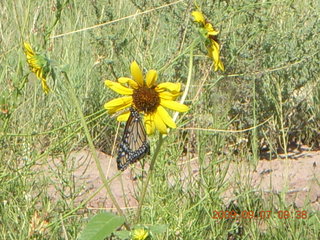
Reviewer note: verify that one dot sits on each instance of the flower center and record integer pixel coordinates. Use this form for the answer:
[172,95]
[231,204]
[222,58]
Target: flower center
[146,99]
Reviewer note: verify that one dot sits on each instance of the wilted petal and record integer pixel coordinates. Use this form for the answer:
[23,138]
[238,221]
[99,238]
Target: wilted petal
[28,49]
[220,65]
[210,30]
[214,53]
[215,46]
[198,17]
[33,62]
[38,64]
[45,87]
[38,73]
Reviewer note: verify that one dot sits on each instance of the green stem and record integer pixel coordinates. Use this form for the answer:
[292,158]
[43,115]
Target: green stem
[255,130]
[144,189]
[282,123]
[161,138]
[93,150]
[186,90]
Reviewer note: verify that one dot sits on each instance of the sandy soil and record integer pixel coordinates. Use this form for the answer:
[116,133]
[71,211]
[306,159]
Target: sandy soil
[298,177]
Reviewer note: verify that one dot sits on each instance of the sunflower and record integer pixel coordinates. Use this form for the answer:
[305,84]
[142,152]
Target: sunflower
[38,64]
[210,34]
[147,97]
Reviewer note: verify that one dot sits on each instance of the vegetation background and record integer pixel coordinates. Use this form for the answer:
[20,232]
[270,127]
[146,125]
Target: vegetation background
[270,90]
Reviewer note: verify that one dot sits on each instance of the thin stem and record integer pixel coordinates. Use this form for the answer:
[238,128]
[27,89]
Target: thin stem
[93,150]
[282,124]
[255,130]
[161,138]
[144,188]
[186,90]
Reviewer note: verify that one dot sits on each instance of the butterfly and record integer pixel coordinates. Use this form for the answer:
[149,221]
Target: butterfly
[134,143]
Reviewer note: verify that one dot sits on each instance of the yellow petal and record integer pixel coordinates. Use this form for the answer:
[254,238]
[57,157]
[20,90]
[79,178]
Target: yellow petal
[45,87]
[136,73]
[159,123]
[220,65]
[28,49]
[149,123]
[174,105]
[132,83]
[139,234]
[151,78]
[215,46]
[214,53]
[198,17]
[123,117]
[34,63]
[169,96]
[210,30]
[118,104]
[166,117]
[117,87]
[38,73]
[173,87]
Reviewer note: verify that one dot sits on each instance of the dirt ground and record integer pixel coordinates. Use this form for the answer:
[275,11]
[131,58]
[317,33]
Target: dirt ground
[298,176]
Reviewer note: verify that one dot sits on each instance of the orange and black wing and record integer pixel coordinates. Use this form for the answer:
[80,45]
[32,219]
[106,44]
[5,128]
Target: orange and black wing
[134,143]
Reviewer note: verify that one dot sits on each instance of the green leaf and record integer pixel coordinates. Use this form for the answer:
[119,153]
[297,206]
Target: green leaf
[160,228]
[122,234]
[101,226]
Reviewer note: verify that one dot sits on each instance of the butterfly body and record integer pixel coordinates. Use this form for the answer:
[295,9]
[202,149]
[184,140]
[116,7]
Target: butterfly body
[134,143]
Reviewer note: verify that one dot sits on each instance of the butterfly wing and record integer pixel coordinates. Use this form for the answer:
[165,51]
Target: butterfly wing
[134,143]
